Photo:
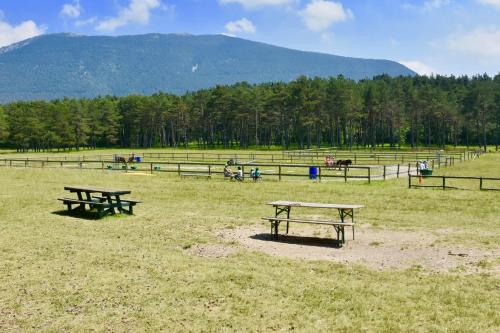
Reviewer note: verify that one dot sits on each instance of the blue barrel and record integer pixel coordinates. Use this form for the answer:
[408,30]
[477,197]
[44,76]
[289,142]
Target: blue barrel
[313,172]
[138,159]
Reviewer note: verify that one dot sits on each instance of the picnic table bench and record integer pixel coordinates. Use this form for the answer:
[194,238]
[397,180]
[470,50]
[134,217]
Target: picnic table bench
[284,207]
[105,203]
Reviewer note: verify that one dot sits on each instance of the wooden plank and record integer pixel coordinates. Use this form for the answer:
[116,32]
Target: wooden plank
[313,205]
[89,189]
[307,221]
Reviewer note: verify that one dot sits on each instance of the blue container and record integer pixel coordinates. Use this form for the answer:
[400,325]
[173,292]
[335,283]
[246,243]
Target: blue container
[313,172]
[138,159]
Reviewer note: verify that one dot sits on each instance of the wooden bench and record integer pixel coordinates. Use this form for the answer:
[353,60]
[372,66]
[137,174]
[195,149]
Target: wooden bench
[129,202]
[196,175]
[338,226]
[69,202]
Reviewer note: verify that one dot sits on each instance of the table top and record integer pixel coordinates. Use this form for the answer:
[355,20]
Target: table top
[313,205]
[90,189]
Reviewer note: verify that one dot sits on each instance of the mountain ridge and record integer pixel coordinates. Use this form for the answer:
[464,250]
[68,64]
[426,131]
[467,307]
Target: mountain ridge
[69,65]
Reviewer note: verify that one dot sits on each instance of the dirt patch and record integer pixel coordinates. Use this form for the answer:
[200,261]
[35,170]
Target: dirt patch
[212,250]
[375,248]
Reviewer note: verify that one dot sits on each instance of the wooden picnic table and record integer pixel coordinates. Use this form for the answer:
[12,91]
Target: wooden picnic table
[285,207]
[105,203]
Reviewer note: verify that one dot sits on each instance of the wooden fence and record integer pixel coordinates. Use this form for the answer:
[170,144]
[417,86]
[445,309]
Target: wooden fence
[278,171]
[445,185]
[282,158]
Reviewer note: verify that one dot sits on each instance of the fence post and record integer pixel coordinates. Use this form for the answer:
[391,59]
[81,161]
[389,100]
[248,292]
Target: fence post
[444,182]
[279,172]
[345,174]
[102,165]
[209,170]
[409,181]
[179,169]
[319,173]
[480,183]
[369,175]
[398,172]
[409,169]
[384,172]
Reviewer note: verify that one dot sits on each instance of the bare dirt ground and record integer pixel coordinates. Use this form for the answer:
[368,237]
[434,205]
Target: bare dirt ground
[374,248]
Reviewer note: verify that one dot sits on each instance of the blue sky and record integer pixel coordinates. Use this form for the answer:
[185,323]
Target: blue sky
[430,36]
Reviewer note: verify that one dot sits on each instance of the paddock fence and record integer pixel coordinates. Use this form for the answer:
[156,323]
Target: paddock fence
[454,182]
[268,170]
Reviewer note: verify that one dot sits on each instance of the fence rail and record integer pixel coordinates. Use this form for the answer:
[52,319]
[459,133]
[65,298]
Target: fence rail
[313,158]
[443,184]
[279,171]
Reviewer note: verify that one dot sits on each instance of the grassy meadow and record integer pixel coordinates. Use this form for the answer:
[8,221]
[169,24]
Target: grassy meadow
[136,273]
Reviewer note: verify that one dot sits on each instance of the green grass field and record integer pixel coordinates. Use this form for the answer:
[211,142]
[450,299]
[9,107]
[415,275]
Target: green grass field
[137,273]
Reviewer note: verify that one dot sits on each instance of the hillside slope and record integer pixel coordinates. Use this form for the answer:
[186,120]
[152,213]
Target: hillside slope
[58,65]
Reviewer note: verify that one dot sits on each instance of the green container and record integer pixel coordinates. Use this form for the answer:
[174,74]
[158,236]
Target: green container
[426,172]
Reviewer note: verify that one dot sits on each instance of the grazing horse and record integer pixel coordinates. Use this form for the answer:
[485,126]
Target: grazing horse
[344,163]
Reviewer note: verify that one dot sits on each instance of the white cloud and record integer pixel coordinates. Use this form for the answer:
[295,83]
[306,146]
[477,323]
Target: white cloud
[138,11]
[71,10]
[244,25]
[419,67]
[484,42]
[427,6]
[252,4]
[434,4]
[10,34]
[495,3]
[319,15]
[89,21]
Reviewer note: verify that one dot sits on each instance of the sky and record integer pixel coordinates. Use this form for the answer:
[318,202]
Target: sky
[447,37]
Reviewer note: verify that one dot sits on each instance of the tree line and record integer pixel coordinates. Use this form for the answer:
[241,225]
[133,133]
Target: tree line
[308,112]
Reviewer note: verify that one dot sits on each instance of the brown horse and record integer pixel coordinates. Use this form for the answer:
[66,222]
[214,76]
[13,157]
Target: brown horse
[121,159]
[344,163]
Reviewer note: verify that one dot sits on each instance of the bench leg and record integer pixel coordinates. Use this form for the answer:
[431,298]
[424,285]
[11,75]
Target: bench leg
[352,232]
[274,228]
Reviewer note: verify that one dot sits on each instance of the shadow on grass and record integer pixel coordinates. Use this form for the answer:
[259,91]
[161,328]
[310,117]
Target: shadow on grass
[299,240]
[91,216]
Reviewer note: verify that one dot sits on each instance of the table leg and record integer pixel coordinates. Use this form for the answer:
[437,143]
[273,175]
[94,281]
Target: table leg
[89,199]
[119,203]
[80,197]
[288,217]
[341,227]
[111,208]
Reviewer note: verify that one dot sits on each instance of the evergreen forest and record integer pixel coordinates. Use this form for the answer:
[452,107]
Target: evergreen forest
[417,111]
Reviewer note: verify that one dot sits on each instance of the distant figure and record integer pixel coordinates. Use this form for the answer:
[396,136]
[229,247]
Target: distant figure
[228,172]
[231,162]
[131,158]
[329,161]
[256,175]
[252,173]
[239,175]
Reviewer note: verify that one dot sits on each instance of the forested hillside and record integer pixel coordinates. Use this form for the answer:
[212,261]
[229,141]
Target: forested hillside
[65,65]
[415,111]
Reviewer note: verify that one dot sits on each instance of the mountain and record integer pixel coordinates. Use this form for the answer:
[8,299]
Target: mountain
[58,65]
